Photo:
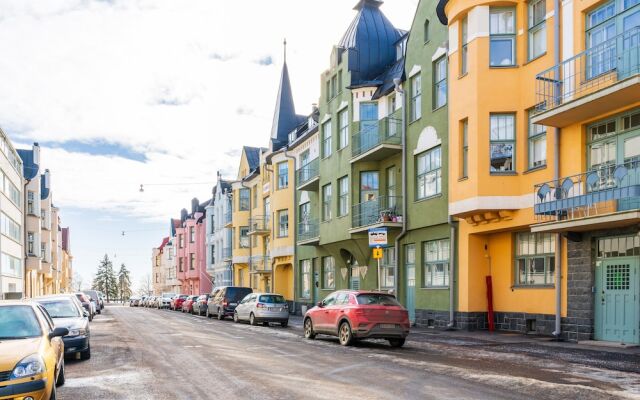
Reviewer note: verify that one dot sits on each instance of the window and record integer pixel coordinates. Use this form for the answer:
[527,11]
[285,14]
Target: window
[503,37]
[465,49]
[304,218]
[416,97]
[10,228]
[244,200]
[387,268]
[326,139]
[429,176]
[327,90]
[181,241]
[31,244]
[305,277]
[436,263]
[502,142]
[244,237]
[339,81]
[535,258]
[426,30]
[283,175]
[43,252]
[181,264]
[537,28]
[391,187]
[464,141]
[369,186]
[31,203]
[254,196]
[12,191]
[283,223]
[192,234]
[334,81]
[326,202]
[440,82]
[192,261]
[343,196]
[328,273]
[157,261]
[343,129]
[537,144]
[213,254]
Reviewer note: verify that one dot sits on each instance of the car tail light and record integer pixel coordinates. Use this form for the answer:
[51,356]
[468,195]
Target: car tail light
[260,305]
[224,303]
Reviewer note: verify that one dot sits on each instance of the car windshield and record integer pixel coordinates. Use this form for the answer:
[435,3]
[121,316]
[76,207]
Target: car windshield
[168,295]
[235,294]
[18,322]
[271,298]
[184,297]
[60,308]
[377,299]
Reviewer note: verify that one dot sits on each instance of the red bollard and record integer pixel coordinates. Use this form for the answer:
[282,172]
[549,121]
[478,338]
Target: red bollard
[490,304]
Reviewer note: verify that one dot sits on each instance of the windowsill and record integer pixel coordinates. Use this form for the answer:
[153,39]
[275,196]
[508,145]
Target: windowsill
[535,58]
[342,216]
[533,287]
[427,42]
[463,75]
[534,169]
[462,179]
[503,173]
[414,121]
[503,66]
[435,196]
[439,108]
[434,287]
[325,221]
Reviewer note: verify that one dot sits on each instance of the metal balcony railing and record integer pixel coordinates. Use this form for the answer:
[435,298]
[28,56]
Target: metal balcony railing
[259,224]
[596,68]
[379,210]
[260,264]
[606,189]
[369,134]
[308,230]
[308,172]
[226,252]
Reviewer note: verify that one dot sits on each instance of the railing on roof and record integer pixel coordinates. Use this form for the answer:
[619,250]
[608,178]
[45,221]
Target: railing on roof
[369,134]
[308,171]
[308,229]
[377,211]
[595,68]
[606,189]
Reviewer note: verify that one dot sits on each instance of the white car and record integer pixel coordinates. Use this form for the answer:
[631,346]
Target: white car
[164,301]
[263,308]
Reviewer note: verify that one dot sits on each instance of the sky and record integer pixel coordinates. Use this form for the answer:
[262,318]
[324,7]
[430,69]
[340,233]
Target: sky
[126,92]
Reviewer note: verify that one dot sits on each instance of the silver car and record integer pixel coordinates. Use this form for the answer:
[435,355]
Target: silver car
[263,308]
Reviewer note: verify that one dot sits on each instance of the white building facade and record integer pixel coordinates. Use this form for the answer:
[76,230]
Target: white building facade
[219,234]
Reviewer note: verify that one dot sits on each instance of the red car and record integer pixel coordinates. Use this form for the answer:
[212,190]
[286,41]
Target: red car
[353,314]
[187,304]
[176,302]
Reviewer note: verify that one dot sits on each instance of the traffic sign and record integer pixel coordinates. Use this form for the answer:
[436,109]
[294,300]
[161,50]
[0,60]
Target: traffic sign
[377,253]
[377,237]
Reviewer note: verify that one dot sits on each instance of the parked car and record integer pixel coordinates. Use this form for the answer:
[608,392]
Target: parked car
[176,302]
[96,299]
[262,308]
[87,304]
[151,301]
[32,351]
[187,305]
[66,313]
[224,303]
[134,301]
[101,296]
[165,300]
[352,315]
[143,301]
[200,305]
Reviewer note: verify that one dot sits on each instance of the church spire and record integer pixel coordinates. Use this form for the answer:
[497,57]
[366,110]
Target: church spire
[285,118]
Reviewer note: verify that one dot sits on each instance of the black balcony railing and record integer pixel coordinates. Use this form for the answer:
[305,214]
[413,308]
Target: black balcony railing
[308,230]
[595,68]
[379,210]
[605,189]
[369,134]
[308,172]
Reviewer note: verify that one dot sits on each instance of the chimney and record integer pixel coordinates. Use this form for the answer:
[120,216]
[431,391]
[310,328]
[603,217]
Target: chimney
[194,205]
[47,179]
[183,214]
[36,153]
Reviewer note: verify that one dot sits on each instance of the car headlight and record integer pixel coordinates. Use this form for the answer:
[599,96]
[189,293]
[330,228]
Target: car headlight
[77,331]
[29,366]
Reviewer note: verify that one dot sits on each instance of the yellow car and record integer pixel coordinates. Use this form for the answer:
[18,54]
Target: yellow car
[31,352]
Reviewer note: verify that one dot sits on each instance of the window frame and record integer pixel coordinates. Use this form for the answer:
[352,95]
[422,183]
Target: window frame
[536,27]
[244,202]
[283,229]
[430,155]
[464,148]
[245,236]
[547,257]
[533,137]
[511,36]
[343,130]
[426,35]
[388,268]
[328,273]
[429,265]
[438,82]
[343,196]
[327,139]
[327,195]
[500,141]
[283,175]
[416,97]
[464,46]
[305,278]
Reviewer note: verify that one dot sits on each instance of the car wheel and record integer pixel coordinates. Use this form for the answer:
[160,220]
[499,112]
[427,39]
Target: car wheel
[309,333]
[61,378]
[90,317]
[344,334]
[220,315]
[284,324]
[85,355]
[252,319]
[265,324]
[396,342]
[235,318]
[53,393]
[99,311]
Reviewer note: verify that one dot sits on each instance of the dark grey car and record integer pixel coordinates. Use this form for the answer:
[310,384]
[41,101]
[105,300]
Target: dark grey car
[225,301]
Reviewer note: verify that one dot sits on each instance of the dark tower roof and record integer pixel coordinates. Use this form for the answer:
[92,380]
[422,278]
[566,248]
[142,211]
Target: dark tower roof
[285,118]
[370,41]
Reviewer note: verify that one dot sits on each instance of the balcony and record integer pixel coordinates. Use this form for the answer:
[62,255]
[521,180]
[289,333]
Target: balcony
[597,81]
[259,226]
[308,232]
[260,264]
[606,197]
[227,218]
[226,253]
[377,140]
[309,176]
[384,211]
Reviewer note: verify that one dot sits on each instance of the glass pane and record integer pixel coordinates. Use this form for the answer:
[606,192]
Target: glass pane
[502,21]
[522,272]
[551,272]
[632,147]
[502,157]
[502,52]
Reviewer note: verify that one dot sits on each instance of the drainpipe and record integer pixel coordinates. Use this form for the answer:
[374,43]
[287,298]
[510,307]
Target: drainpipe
[24,233]
[295,229]
[400,91]
[452,271]
[556,172]
[250,215]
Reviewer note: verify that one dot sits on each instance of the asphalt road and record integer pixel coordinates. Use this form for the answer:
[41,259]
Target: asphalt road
[140,353]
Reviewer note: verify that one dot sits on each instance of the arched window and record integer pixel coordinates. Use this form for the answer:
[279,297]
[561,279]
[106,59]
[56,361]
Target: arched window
[426,30]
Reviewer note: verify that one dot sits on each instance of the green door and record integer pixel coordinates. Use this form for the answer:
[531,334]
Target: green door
[410,271]
[617,300]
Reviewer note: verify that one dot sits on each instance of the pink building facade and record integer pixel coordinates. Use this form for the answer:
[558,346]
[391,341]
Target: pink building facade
[191,263]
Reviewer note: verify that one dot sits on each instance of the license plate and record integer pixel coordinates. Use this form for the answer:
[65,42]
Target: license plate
[233,304]
[387,326]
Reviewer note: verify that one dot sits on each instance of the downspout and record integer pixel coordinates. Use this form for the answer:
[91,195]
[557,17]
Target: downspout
[250,215]
[452,272]
[295,229]
[556,172]
[402,234]
[25,245]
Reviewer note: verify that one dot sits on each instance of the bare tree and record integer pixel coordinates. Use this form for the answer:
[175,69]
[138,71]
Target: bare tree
[76,282]
[146,287]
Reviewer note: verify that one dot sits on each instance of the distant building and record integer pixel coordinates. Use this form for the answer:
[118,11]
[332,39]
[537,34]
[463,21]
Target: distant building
[66,262]
[191,251]
[161,264]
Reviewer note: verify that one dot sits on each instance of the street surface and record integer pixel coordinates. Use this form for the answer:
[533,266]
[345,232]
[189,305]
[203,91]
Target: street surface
[141,353]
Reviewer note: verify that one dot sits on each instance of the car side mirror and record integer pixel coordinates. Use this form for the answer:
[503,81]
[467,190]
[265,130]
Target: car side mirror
[320,304]
[85,313]
[58,332]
